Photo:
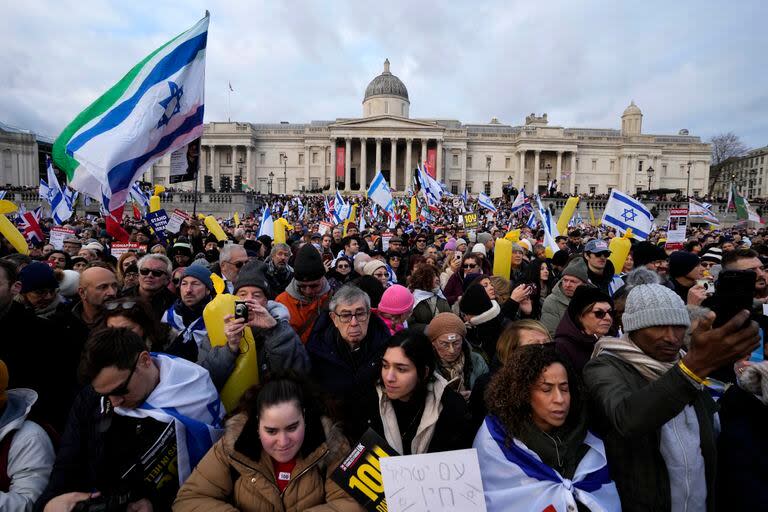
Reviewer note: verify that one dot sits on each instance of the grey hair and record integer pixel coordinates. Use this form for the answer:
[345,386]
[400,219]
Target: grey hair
[349,294]
[281,247]
[641,275]
[226,252]
[162,258]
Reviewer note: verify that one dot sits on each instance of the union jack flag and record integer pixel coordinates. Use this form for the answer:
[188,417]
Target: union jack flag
[29,224]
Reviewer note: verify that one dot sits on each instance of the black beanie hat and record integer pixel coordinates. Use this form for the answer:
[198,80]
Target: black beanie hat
[583,297]
[252,274]
[475,300]
[308,265]
[681,263]
[646,252]
[372,287]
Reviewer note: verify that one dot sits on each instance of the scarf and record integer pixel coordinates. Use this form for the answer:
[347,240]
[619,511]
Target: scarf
[623,348]
[196,329]
[274,270]
[422,295]
[186,396]
[50,309]
[454,372]
[562,448]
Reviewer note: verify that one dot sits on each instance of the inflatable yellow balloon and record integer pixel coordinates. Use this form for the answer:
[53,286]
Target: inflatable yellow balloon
[236,218]
[548,252]
[154,203]
[502,258]
[159,189]
[280,226]
[246,372]
[13,235]
[513,236]
[565,216]
[351,218]
[7,206]
[215,228]
[619,250]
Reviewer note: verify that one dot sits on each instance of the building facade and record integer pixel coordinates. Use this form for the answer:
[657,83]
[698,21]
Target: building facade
[747,172]
[22,157]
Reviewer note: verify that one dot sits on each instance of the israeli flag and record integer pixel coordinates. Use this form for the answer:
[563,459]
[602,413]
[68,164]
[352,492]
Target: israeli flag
[519,202]
[532,221]
[549,225]
[624,212]
[341,209]
[44,191]
[267,226]
[285,210]
[429,187]
[61,207]
[486,202]
[380,193]
[139,197]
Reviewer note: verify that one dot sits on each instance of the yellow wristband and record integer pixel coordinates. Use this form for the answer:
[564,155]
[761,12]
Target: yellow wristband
[689,373]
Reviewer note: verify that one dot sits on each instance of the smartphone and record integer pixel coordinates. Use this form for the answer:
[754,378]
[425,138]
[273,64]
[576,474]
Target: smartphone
[734,292]
[241,310]
[457,255]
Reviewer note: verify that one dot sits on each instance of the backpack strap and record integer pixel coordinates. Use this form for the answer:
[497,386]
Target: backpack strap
[5,448]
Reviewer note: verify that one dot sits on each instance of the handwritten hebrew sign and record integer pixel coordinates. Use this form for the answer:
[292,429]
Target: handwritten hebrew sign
[431,482]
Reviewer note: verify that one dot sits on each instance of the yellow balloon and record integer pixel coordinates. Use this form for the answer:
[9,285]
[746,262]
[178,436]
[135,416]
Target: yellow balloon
[548,252]
[565,216]
[513,236]
[281,225]
[619,250]
[215,228]
[159,189]
[246,372]
[7,206]
[351,218]
[502,258]
[13,235]
[154,203]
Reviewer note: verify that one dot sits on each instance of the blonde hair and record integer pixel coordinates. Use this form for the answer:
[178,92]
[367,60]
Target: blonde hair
[509,339]
[503,288]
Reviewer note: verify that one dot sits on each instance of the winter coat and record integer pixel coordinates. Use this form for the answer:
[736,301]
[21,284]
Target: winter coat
[554,309]
[571,341]
[742,476]
[483,331]
[427,306]
[30,457]
[160,301]
[303,313]
[277,278]
[443,425]
[629,413]
[454,288]
[227,479]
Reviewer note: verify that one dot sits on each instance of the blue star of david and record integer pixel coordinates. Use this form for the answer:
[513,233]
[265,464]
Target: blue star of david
[628,215]
[171,104]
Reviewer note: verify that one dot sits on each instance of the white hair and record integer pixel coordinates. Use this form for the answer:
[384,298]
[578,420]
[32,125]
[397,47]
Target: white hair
[226,252]
[162,258]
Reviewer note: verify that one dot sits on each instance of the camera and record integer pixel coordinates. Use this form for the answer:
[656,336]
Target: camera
[241,310]
[111,503]
[708,285]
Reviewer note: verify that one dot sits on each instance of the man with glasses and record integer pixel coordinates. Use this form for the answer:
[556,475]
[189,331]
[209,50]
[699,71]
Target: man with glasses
[307,293]
[131,434]
[154,276]
[232,257]
[347,344]
[600,269]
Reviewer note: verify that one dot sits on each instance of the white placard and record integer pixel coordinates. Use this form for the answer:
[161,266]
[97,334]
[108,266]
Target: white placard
[324,227]
[445,481]
[178,217]
[385,238]
[57,236]
[179,161]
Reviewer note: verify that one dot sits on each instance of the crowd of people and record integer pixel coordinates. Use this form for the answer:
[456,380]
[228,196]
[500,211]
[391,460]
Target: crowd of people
[583,382]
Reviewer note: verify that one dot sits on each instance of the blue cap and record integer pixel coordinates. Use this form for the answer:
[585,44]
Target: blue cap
[597,246]
[201,273]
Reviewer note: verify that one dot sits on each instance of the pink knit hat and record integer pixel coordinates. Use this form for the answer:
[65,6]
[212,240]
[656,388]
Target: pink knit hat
[397,299]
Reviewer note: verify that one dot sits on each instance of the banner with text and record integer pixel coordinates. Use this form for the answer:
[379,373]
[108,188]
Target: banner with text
[676,226]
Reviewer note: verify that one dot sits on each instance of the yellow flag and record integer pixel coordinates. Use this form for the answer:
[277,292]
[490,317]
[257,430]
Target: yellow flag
[592,216]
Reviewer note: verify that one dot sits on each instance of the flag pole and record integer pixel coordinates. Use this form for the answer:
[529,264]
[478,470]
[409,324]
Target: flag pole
[194,201]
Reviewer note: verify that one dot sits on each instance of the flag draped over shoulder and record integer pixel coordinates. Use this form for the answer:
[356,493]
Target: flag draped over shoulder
[156,108]
[623,212]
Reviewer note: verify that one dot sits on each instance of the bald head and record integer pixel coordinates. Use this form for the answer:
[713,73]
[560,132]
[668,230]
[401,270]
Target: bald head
[97,285]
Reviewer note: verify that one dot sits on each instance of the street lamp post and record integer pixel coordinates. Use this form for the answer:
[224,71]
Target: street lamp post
[650,172]
[688,185]
[548,167]
[269,181]
[488,165]
[285,173]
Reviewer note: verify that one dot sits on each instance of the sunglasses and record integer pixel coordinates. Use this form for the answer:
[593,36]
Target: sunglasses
[601,254]
[122,389]
[176,280]
[342,267]
[238,264]
[470,265]
[707,264]
[155,273]
[119,304]
[601,313]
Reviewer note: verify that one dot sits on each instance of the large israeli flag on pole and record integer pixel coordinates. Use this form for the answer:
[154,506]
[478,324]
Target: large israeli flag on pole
[549,225]
[485,201]
[624,212]
[156,108]
[380,193]
[267,226]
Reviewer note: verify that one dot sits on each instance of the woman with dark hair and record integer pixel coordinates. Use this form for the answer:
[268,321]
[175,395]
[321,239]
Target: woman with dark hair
[341,273]
[59,259]
[588,318]
[277,453]
[412,407]
[539,273]
[534,448]
[428,298]
[470,264]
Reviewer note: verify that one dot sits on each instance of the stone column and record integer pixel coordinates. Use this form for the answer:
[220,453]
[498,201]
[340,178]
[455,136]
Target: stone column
[408,162]
[440,172]
[363,171]
[329,150]
[559,171]
[393,164]
[378,154]
[215,159]
[535,187]
[463,158]
[521,175]
[423,152]
[307,154]
[234,165]
[630,174]
[348,165]
[572,184]
[249,172]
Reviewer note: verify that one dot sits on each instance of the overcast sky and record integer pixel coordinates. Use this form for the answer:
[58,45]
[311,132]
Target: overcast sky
[700,66]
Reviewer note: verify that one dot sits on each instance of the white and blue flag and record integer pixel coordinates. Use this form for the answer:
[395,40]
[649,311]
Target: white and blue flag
[267,226]
[486,202]
[532,222]
[429,187]
[341,209]
[380,193]
[61,205]
[549,225]
[139,197]
[624,212]
[520,202]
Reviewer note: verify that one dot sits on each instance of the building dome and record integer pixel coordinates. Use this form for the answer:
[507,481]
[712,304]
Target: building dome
[386,84]
[632,109]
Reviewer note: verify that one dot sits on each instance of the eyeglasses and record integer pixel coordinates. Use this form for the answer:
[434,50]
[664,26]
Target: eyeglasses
[342,267]
[601,313]
[346,317]
[381,274]
[121,304]
[237,264]
[122,389]
[470,265]
[155,273]
[707,264]
[453,341]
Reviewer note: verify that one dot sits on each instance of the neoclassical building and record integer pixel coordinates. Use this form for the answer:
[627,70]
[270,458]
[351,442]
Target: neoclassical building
[346,153]
[22,157]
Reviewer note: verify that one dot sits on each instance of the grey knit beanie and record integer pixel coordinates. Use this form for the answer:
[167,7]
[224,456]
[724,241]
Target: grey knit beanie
[651,305]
